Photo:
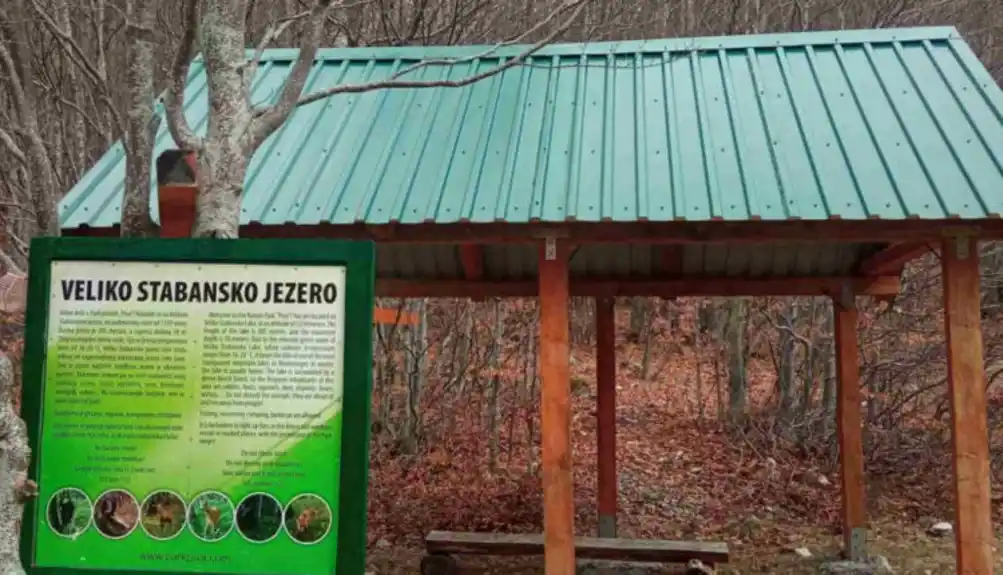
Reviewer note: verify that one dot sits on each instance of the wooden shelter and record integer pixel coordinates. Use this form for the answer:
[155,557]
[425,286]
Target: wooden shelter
[781,165]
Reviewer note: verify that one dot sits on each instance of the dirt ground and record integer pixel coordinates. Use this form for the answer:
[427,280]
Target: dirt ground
[907,548]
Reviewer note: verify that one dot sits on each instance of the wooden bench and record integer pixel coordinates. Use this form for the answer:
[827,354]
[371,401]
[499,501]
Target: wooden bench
[440,546]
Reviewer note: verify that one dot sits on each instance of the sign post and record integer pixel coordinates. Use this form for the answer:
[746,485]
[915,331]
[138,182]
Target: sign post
[198,405]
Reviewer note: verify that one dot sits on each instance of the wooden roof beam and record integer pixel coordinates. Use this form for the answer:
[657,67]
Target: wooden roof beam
[666,288]
[892,260]
[472,261]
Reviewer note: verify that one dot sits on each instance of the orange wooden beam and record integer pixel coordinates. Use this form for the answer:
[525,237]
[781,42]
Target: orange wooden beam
[974,539]
[388,316]
[848,428]
[472,260]
[891,260]
[606,413]
[555,406]
[667,288]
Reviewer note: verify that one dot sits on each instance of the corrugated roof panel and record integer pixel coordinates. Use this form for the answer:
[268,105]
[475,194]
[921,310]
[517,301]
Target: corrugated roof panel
[852,124]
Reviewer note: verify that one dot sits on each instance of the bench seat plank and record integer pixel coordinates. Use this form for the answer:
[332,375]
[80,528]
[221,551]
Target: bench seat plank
[611,549]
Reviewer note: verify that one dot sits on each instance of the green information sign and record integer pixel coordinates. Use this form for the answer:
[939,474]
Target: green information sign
[198,405]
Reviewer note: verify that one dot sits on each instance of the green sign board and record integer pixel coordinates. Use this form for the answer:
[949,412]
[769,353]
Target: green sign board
[198,405]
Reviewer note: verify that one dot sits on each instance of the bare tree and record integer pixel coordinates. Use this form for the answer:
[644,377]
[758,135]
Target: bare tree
[236,129]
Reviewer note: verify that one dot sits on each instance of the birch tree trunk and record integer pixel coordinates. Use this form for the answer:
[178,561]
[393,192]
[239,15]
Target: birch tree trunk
[222,162]
[142,123]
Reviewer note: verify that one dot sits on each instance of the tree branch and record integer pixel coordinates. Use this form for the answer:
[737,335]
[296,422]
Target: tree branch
[272,117]
[174,97]
[270,35]
[8,141]
[72,47]
[394,81]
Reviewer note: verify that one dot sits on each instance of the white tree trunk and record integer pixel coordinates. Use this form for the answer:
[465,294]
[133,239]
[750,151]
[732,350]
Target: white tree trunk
[142,124]
[222,160]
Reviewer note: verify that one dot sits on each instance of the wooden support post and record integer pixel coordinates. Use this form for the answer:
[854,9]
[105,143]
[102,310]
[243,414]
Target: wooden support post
[848,425]
[555,405]
[606,413]
[967,388]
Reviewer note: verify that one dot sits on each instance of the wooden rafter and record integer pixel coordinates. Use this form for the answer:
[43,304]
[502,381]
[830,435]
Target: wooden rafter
[472,260]
[891,260]
[670,259]
[666,288]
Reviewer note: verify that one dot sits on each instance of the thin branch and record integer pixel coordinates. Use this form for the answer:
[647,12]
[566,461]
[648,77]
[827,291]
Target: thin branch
[77,53]
[12,147]
[394,81]
[272,117]
[273,32]
[174,97]
[84,115]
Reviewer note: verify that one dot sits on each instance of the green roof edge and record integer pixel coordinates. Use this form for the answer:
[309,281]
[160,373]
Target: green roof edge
[654,46]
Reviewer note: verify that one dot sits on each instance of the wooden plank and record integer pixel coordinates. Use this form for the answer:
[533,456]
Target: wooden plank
[555,406]
[670,259]
[472,261]
[654,551]
[666,288]
[388,316]
[848,428]
[606,413]
[713,232]
[966,378]
[892,260]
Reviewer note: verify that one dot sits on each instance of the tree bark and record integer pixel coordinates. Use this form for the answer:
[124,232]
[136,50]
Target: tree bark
[142,123]
[15,487]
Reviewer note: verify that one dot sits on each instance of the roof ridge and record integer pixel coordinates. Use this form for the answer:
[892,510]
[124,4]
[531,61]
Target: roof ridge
[651,45]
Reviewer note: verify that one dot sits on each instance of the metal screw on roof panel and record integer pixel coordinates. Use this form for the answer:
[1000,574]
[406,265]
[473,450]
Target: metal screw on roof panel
[926,206]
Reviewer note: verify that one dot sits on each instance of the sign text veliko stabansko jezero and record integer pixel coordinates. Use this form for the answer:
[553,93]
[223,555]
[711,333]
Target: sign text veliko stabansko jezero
[199,291]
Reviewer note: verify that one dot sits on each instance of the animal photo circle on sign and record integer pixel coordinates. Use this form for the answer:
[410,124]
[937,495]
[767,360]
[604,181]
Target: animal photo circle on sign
[307,519]
[116,513]
[163,514]
[210,516]
[69,512]
[259,517]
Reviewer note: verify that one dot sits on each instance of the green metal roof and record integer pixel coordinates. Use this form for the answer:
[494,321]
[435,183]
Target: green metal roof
[891,123]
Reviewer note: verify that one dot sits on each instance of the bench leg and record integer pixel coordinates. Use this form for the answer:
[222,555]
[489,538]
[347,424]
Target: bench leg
[438,564]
